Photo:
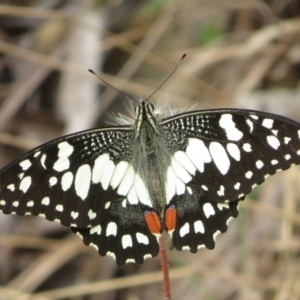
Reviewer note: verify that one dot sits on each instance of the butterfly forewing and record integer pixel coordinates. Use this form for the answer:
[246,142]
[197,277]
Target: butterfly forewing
[225,153]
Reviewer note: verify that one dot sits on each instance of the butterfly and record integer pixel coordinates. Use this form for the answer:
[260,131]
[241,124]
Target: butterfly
[120,187]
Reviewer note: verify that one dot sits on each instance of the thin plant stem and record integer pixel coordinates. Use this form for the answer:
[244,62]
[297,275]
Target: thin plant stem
[165,267]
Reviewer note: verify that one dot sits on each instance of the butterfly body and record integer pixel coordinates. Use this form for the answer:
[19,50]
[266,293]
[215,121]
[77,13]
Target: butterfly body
[118,188]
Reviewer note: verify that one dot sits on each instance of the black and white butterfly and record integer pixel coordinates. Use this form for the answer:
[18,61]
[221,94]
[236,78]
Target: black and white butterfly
[120,187]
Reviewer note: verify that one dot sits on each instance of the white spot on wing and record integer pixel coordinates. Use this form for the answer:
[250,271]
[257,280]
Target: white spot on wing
[180,171]
[186,163]
[180,187]
[185,229]
[221,191]
[237,186]
[36,154]
[250,123]
[287,156]
[2,202]
[268,123]
[25,184]
[63,162]
[248,174]
[111,254]
[107,174]
[111,229]
[141,190]
[98,168]
[259,164]
[30,203]
[127,181]
[46,201]
[43,159]
[208,210]
[273,141]
[94,246]
[25,164]
[287,139]
[83,181]
[234,151]
[232,132]
[119,173]
[221,206]
[142,239]
[92,215]
[220,157]
[198,153]
[204,187]
[199,227]
[74,214]
[96,229]
[146,256]
[216,234]
[247,147]
[228,220]
[132,198]
[126,241]
[79,234]
[15,203]
[59,207]
[66,181]
[11,187]
[53,181]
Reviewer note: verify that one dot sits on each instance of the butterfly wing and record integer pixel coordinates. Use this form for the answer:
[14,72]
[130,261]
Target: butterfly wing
[86,181]
[218,157]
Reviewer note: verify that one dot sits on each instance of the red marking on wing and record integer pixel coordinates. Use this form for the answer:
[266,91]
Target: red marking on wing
[153,222]
[170,218]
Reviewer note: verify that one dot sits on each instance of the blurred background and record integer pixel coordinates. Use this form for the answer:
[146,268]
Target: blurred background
[243,54]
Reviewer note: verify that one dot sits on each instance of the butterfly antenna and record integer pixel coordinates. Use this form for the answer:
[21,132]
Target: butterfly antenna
[94,73]
[181,59]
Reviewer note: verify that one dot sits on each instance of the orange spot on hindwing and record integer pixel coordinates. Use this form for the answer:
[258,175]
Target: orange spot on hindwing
[170,218]
[153,222]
